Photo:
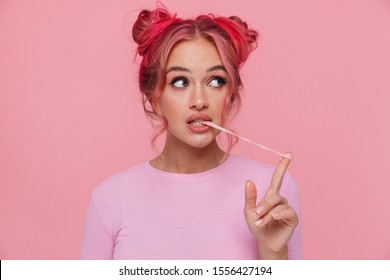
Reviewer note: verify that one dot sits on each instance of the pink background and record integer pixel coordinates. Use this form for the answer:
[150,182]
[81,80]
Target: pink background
[70,115]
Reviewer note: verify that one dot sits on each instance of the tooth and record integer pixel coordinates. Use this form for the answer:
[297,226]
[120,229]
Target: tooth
[196,124]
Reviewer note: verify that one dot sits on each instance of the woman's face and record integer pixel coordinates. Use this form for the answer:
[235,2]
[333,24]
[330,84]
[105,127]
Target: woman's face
[195,90]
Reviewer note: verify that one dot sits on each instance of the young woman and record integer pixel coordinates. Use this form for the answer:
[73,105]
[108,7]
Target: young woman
[187,203]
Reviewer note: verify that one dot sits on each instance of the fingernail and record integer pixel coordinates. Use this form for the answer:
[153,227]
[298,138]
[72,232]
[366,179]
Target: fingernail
[289,155]
[259,222]
[260,210]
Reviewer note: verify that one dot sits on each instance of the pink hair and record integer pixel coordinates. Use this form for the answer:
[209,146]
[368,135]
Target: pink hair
[156,32]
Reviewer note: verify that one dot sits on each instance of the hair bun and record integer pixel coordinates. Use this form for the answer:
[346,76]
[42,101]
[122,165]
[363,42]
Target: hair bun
[148,25]
[250,34]
[243,38]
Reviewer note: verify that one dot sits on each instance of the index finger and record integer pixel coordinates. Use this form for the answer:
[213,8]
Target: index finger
[277,177]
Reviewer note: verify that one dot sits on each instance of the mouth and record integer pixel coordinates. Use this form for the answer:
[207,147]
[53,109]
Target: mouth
[195,120]
[196,123]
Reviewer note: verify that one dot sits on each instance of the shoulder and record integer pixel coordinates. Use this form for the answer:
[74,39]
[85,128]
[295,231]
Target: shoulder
[117,184]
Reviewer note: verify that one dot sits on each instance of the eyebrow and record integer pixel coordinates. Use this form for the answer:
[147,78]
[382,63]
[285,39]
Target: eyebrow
[183,69]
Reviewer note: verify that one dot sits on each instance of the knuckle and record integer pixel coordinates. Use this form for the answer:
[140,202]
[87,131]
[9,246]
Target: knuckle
[277,199]
[266,205]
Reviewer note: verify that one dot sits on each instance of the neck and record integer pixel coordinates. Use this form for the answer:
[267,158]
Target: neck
[187,159]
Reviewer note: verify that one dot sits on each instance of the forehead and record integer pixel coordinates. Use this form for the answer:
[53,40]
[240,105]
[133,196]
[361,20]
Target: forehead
[194,53]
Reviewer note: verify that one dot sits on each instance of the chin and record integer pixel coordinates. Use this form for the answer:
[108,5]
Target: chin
[200,144]
[194,141]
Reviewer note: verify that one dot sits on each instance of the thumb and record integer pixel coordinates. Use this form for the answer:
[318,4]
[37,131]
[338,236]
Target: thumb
[250,195]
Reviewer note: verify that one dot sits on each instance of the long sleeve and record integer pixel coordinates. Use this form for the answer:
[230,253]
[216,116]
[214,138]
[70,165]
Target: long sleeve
[97,241]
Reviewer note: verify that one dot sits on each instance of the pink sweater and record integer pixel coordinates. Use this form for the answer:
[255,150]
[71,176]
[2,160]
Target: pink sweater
[144,213]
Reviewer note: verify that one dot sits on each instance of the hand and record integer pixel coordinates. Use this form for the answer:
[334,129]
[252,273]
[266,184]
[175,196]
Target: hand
[273,220]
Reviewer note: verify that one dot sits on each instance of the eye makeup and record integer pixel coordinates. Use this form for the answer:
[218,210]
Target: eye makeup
[217,81]
[179,82]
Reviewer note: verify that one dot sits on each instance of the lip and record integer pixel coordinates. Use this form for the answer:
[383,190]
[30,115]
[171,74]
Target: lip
[200,117]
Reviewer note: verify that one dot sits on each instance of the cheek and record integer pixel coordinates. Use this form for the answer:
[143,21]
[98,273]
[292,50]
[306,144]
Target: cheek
[221,110]
[220,104]
[170,107]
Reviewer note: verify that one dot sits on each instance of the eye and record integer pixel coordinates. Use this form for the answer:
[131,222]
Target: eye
[217,82]
[179,82]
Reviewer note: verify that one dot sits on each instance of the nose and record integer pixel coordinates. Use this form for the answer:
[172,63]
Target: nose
[198,98]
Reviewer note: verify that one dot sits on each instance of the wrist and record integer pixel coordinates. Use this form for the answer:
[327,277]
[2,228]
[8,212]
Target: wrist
[267,254]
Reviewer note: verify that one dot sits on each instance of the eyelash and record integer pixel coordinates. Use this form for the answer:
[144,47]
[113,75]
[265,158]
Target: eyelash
[221,81]
[174,80]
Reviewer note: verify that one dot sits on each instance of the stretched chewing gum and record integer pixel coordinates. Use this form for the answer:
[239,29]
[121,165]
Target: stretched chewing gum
[285,155]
